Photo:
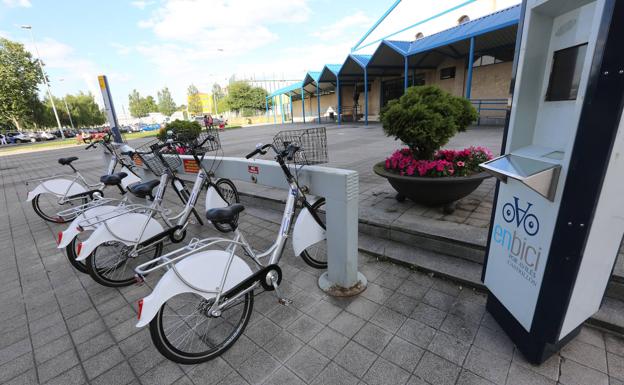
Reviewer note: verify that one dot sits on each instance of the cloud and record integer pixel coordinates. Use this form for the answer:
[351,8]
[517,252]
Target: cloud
[121,49]
[17,3]
[141,4]
[343,26]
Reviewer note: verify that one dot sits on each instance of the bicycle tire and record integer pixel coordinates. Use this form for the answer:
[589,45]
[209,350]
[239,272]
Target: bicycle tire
[54,219]
[100,272]
[311,254]
[70,252]
[168,348]
[228,191]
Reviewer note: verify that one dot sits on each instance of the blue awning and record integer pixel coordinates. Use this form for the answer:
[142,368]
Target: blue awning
[287,90]
[492,22]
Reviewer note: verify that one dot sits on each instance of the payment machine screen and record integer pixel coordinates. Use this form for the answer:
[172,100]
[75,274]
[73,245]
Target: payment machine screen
[566,73]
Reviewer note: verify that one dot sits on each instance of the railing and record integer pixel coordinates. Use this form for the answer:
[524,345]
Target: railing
[489,105]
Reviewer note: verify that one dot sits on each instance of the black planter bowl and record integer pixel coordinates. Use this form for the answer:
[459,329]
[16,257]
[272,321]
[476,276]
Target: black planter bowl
[431,191]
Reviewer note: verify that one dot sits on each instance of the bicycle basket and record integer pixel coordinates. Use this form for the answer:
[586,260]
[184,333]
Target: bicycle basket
[312,143]
[124,159]
[207,140]
[158,161]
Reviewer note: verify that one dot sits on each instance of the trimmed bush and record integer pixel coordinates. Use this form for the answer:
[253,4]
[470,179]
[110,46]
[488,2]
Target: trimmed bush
[425,118]
[182,129]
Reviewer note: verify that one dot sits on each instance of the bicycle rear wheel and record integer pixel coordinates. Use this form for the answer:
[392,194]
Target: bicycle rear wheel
[110,264]
[71,250]
[316,254]
[47,207]
[183,332]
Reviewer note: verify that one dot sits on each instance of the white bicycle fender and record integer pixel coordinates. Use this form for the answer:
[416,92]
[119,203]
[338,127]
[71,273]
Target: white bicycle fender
[58,187]
[214,200]
[127,229]
[130,179]
[203,270]
[72,230]
[306,232]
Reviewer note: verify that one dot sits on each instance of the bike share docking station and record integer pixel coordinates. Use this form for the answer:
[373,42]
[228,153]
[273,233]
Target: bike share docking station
[340,189]
[558,219]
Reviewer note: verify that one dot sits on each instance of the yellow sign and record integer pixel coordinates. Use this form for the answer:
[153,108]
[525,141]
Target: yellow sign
[102,82]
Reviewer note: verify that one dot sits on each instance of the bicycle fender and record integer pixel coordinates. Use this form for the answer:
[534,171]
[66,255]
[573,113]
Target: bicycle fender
[214,200]
[130,179]
[72,230]
[59,187]
[307,232]
[203,270]
[125,228]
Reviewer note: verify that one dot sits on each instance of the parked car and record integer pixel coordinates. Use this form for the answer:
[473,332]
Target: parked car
[67,133]
[19,137]
[42,135]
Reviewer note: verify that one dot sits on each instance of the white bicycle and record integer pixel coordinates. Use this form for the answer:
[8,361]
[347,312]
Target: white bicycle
[60,198]
[202,304]
[122,240]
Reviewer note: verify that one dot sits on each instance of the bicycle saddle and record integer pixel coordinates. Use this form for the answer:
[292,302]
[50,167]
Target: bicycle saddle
[144,190]
[113,179]
[224,214]
[66,161]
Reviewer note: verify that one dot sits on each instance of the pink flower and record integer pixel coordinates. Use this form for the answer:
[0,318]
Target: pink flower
[460,164]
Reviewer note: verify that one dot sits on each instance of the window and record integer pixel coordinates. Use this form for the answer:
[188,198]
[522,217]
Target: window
[447,73]
[419,35]
[463,19]
[485,60]
[565,74]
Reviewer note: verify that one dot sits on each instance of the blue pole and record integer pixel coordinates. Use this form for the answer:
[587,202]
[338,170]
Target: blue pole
[292,117]
[405,85]
[365,97]
[303,103]
[470,61]
[282,108]
[274,109]
[318,102]
[339,101]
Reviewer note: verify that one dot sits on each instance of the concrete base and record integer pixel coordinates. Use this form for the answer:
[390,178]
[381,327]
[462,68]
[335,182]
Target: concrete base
[338,291]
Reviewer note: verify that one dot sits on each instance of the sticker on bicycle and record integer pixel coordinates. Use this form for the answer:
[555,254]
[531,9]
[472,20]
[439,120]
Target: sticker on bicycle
[253,169]
[137,160]
[191,166]
[513,213]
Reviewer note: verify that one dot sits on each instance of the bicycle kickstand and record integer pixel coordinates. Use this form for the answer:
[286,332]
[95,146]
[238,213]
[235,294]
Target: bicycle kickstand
[280,298]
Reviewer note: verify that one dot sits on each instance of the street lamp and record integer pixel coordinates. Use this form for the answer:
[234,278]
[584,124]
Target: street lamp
[71,122]
[45,80]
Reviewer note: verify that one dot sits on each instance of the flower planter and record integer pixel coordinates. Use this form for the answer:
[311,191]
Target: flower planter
[442,191]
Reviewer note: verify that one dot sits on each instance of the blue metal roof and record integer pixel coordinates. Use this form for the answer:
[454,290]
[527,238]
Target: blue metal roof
[362,60]
[287,89]
[497,20]
[334,68]
[313,76]
[400,46]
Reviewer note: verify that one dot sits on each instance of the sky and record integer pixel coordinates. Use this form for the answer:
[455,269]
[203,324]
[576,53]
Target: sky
[151,44]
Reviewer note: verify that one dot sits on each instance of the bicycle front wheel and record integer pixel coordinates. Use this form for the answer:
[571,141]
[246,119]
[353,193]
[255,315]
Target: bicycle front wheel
[316,254]
[112,263]
[183,331]
[47,207]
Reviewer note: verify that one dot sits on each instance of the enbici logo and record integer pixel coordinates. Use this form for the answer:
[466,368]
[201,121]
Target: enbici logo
[517,240]
[513,213]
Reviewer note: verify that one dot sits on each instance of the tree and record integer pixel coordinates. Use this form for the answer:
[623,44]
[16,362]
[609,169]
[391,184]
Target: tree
[140,106]
[166,105]
[217,91]
[194,101]
[244,98]
[20,77]
[83,108]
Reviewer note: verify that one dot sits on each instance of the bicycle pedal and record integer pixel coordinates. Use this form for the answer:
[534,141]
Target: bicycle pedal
[284,301]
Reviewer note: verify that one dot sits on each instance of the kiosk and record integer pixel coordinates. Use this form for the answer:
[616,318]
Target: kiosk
[558,217]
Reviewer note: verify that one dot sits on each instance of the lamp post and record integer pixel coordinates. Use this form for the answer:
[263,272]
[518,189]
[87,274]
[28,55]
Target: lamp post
[45,80]
[71,122]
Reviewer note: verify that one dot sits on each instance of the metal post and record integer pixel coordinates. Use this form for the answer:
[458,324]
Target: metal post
[318,102]
[470,61]
[339,101]
[405,85]
[266,107]
[45,80]
[110,108]
[292,117]
[281,108]
[365,97]
[274,109]
[71,122]
[303,103]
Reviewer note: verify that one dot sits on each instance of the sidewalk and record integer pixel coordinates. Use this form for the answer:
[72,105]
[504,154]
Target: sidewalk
[59,327]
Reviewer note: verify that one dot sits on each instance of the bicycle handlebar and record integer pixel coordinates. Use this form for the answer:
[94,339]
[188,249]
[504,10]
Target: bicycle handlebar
[260,150]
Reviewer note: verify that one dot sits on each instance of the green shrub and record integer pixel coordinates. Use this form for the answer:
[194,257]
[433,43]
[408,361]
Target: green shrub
[182,129]
[425,118]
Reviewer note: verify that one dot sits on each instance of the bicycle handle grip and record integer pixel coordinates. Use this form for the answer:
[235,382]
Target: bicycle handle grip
[254,153]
